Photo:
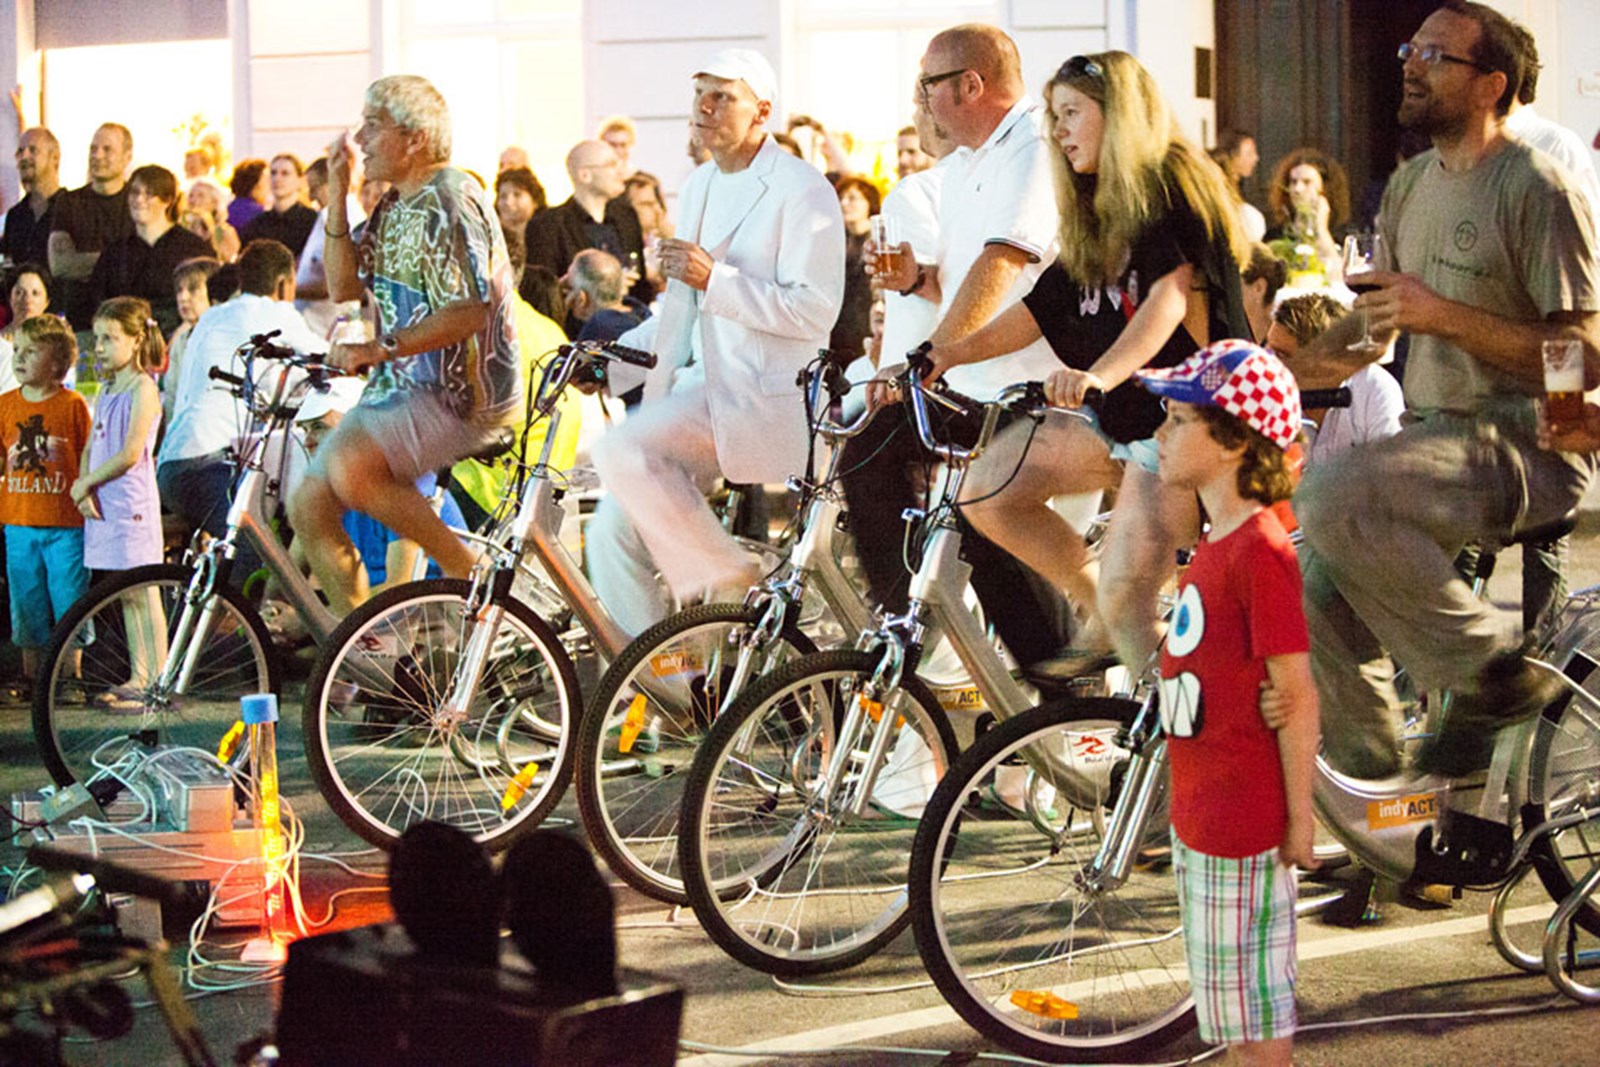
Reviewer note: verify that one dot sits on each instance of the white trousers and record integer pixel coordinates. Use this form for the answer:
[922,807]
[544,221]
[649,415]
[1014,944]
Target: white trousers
[657,468]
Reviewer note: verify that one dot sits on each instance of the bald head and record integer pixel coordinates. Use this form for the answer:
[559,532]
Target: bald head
[985,49]
[595,171]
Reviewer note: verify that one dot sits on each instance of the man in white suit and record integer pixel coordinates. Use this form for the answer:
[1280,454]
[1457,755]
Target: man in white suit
[755,280]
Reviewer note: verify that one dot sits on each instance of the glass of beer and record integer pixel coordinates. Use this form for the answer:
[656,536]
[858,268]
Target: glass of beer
[886,243]
[1563,381]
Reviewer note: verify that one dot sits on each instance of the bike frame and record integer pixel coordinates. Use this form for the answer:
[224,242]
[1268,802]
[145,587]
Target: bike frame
[213,565]
[936,604]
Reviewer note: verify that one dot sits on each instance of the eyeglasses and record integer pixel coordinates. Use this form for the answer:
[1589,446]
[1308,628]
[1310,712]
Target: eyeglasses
[1433,55]
[928,81]
[1080,67]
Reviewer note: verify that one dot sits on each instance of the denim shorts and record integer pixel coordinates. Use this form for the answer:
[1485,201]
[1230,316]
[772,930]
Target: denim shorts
[44,568]
[1141,453]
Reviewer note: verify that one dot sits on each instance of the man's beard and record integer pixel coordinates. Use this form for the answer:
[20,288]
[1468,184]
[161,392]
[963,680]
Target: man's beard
[1424,115]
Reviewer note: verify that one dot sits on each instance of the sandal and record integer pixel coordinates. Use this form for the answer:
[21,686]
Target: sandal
[120,700]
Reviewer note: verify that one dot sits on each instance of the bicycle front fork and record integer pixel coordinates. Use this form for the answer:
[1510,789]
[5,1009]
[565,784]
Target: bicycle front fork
[1143,787]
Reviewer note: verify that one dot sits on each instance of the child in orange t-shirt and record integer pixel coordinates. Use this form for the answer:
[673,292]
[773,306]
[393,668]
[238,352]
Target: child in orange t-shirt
[44,428]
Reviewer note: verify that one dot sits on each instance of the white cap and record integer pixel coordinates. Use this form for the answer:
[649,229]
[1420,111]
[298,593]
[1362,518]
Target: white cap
[341,395]
[746,65]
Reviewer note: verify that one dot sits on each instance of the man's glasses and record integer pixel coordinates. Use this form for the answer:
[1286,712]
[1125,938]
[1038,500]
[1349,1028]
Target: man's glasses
[1433,55]
[928,81]
[1080,67]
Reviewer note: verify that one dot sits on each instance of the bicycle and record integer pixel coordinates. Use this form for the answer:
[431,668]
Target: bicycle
[160,655]
[801,804]
[455,700]
[657,698]
[1064,948]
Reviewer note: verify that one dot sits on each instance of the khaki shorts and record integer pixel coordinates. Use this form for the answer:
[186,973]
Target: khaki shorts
[416,433]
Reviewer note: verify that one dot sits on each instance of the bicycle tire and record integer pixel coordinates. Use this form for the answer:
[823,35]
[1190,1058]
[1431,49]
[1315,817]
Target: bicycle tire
[998,909]
[78,711]
[629,801]
[780,883]
[1563,774]
[383,755]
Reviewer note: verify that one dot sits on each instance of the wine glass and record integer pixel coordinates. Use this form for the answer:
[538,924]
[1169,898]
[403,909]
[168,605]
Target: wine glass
[1361,252]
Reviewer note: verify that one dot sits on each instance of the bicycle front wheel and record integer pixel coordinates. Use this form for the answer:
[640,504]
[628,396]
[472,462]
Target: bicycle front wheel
[1013,926]
[792,869]
[99,695]
[385,746]
[1564,777]
[640,732]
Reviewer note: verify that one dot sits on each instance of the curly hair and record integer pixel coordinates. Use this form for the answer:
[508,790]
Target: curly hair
[1263,471]
[1335,186]
[1146,166]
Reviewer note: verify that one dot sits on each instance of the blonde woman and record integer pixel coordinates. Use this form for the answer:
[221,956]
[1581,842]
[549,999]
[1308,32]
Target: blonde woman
[1148,273]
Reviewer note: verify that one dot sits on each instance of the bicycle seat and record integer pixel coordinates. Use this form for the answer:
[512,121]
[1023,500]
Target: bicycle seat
[496,448]
[1545,532]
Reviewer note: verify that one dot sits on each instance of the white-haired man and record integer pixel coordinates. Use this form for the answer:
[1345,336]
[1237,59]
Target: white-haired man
[446,371]
[755,279]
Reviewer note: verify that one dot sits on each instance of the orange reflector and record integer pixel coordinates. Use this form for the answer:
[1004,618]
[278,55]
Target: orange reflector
[1048,1005]
[632,723]
[519,785]
[230,742]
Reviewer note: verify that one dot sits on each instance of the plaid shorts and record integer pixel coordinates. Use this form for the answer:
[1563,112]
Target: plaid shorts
[1239,933]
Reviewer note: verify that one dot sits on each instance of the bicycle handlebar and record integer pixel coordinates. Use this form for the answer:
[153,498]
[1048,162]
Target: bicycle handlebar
[638,357]
[1311,399]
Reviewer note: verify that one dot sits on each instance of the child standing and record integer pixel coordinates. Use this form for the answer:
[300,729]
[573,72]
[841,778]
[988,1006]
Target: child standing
[43,429]
[116,487]
[1241,794]
[189,280]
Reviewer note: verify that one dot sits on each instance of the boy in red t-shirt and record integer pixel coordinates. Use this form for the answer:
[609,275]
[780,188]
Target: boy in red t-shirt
[1241,793]
[44,428]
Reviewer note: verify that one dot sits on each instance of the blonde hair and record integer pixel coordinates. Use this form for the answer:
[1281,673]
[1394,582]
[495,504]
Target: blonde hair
[1146,166]
[54,340]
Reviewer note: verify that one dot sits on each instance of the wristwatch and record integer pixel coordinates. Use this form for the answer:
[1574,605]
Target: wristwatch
[390,345]
[922,276]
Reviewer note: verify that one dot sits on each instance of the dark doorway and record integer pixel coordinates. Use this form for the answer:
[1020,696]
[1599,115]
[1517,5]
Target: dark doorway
[1318,73]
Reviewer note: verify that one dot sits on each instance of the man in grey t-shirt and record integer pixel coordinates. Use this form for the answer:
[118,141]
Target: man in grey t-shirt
[1488,253]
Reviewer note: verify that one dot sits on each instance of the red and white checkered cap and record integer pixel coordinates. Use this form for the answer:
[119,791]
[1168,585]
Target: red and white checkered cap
[1240,378]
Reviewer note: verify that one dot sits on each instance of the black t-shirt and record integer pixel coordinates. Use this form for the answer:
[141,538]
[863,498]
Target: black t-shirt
[26,238]
[855,310]
[93,222]
[132,268]
[1082,322]
[290,228]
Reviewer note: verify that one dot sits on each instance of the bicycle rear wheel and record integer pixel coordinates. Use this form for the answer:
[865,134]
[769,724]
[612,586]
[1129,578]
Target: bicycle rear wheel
[98,695]
[781,871]
[386,751]
[1564,777]
[1010,928]
[640,732]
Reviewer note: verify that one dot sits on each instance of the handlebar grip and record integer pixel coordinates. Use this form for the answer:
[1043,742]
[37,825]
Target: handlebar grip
[1325,398]
[217,374]
[961,400]
[112,877]
[636,356]
[1094,397]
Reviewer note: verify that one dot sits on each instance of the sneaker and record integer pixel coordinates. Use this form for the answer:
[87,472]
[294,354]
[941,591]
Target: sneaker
[1510,690]
[1070,663]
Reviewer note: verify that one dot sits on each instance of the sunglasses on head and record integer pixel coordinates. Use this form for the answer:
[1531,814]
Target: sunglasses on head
[1081,67]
